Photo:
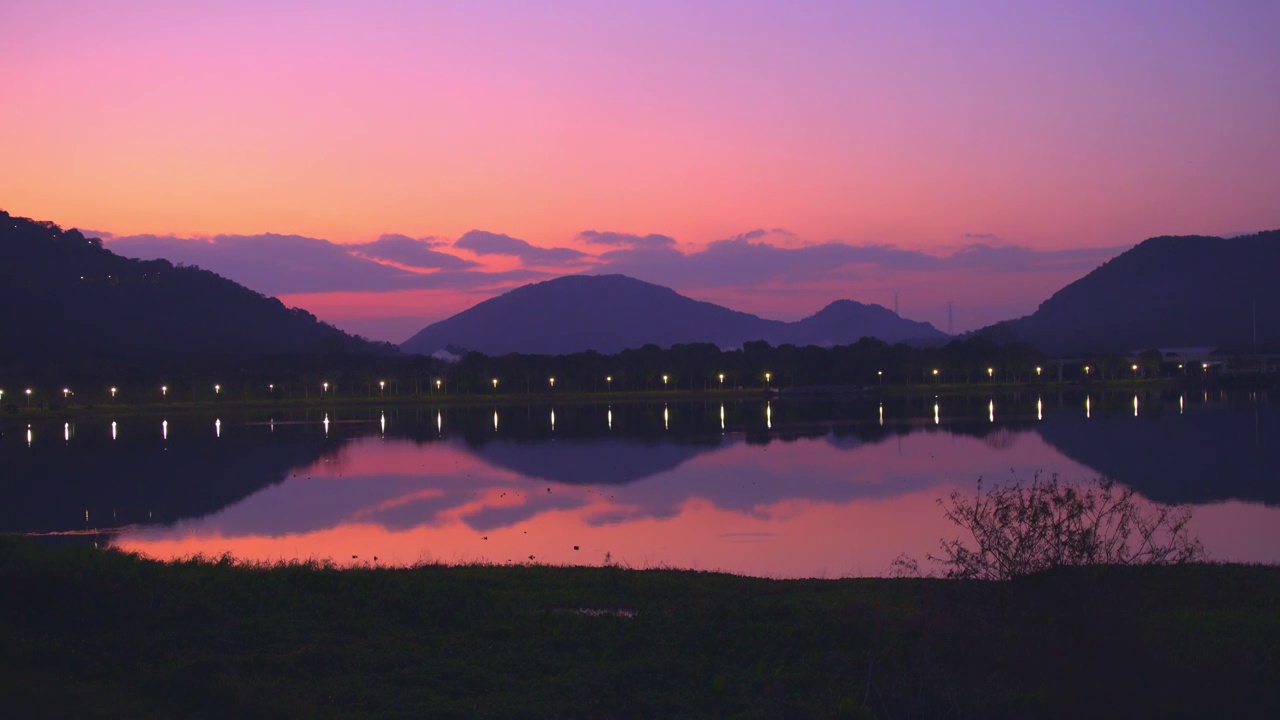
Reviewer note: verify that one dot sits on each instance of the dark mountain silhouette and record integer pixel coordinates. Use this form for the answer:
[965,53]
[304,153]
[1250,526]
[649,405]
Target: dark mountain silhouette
[64,295]
[846,321]
[1189,291]
[610,313]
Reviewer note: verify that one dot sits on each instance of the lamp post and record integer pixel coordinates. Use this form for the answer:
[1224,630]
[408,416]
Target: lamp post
[664,382]
[991,372]
[28,397]
[217,389]
[552,382]
[382,388]
[608,381]
[437,383]
[495,386]
[880,377]
[66,393]
[935,376]
[767,377]
[1038,371]
[324,389]
[164,391]
[721,381]
[113,396]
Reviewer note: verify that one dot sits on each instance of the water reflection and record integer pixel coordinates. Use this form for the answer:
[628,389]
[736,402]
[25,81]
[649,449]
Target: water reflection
[817,487]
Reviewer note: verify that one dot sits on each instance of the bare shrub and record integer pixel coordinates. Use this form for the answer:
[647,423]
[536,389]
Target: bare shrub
[1023,528]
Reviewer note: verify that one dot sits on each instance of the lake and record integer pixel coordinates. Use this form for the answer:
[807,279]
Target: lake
[785,488]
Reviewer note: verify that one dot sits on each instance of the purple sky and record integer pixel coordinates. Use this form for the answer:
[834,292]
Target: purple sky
[770,156]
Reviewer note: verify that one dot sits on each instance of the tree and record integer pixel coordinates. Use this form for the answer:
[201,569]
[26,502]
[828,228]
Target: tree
[1019,529]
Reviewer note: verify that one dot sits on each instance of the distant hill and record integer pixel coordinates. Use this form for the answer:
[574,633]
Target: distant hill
[63,295]
[610,313]
[846,321]
[1189,291]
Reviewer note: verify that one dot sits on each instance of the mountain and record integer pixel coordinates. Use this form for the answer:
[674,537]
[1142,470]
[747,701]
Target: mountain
[610,313]
[1188,291]
[63,295]
[846,321]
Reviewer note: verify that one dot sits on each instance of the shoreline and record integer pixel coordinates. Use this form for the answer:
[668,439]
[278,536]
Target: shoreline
[818,393]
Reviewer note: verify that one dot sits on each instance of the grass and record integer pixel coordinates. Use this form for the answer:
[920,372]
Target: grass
[88,633]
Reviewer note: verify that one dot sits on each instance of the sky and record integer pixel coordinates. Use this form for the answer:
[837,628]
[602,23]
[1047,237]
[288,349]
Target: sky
[386,164]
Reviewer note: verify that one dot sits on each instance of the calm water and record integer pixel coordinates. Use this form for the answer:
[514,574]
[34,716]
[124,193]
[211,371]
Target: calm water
[783,489]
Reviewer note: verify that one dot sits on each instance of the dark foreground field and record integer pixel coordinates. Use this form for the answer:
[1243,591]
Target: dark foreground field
[91,634]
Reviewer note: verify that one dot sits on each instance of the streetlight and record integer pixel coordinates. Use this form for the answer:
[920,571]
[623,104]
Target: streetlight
[552,381]
[935,375]
[164,391]
[113,395]
[1037,371]
[382,386]
[495,384]
[66,392]
[991,373]
[217,389]
[880,377]
[766,378]
[437,383]
[664,381]
[608,380]
[325,389]
[28,397]
[722,380]
[1086,369]
[271,388]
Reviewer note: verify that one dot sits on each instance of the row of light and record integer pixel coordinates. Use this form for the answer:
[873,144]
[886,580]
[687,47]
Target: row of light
[382,384]
[666,418]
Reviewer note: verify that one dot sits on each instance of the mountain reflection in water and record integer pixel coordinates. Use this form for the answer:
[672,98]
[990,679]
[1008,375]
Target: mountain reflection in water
[786,489]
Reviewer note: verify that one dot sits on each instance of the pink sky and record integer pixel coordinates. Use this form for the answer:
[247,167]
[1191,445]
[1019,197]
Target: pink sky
[910,124]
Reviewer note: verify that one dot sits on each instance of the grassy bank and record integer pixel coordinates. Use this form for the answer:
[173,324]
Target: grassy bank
[94,634]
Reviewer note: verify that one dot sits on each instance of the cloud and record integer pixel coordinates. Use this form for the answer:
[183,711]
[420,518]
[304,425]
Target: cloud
[743,261]
[417,253]
[481,242]
[617,239]
[292,264]
[989,237]
[1015,258]
[100,234]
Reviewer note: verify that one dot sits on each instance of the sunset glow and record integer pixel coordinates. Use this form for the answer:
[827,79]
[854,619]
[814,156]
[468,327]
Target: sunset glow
[872,125]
